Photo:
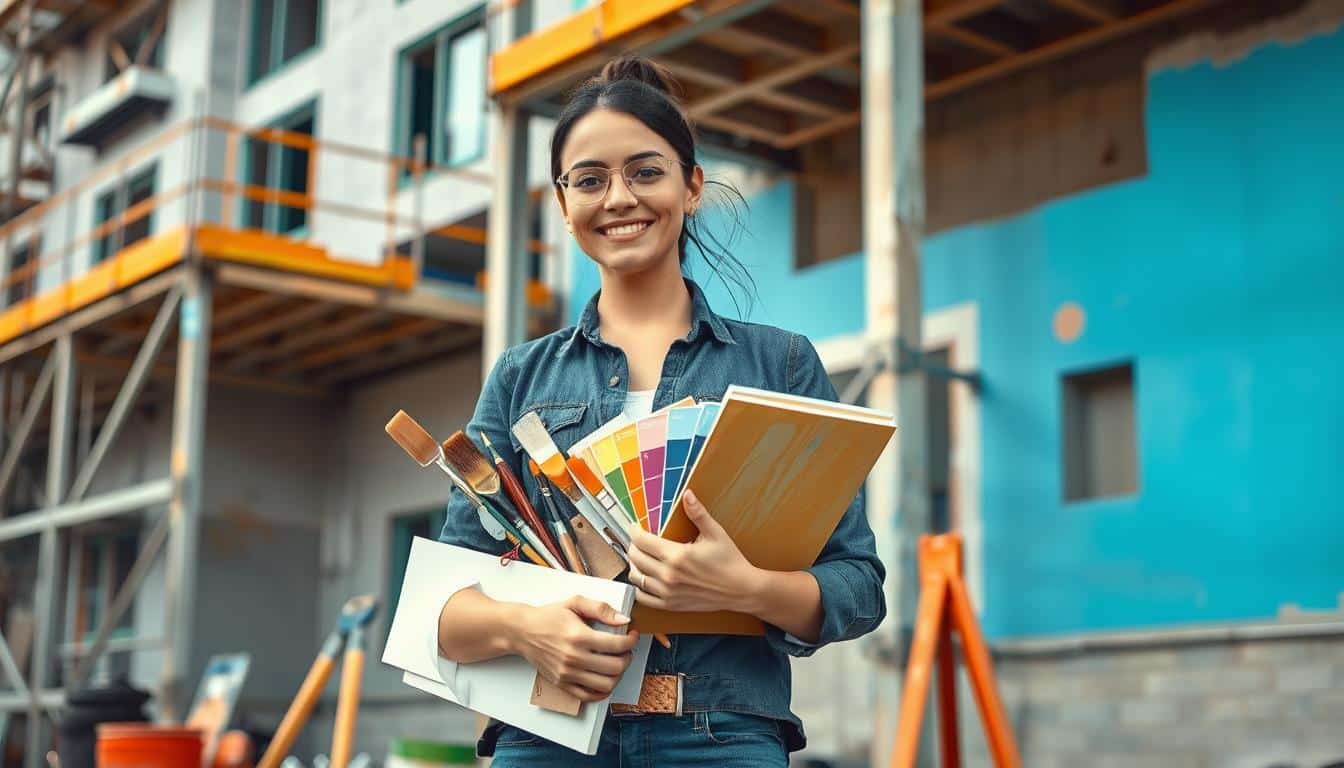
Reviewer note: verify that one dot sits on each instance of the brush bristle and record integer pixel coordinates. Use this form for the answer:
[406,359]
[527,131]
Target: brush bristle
[467,459]
[412,438]
[533,468]
[579,468]
[531,432]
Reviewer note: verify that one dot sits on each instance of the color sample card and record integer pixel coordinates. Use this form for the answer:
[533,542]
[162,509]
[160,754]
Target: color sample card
[609,462]
[627,452]
[680,432]
[708,413]
[652,433]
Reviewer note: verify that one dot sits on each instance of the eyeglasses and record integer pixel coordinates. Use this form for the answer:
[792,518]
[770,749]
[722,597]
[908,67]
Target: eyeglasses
[643,177]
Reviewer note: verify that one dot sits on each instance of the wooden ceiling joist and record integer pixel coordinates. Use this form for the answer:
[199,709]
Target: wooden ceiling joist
[782,76]
[1092,10]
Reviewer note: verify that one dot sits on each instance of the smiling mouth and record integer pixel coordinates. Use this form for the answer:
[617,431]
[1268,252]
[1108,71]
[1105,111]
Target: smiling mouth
[625,230]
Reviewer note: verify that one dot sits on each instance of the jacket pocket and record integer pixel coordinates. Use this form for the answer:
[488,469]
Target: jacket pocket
[558,418]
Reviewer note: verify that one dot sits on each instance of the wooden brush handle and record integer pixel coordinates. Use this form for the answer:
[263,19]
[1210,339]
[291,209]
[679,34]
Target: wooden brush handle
[347,708]
[515,492]
[572,555]
[602,560]
[297,716]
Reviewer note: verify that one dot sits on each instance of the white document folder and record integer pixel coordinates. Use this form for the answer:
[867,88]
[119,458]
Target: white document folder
[502,687]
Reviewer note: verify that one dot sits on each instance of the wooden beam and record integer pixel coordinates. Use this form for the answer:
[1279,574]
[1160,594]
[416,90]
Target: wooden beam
[418,351]
[366,343]
[248,306]
[118,54]
[740,128]
[796,71]
[774,32]
[688,72]
[952,11]
[304,313]
[840,7]
[974,40]
[1085,9]
[820,130]
[1063,47]
[166,371]
[152,39]
[361,319]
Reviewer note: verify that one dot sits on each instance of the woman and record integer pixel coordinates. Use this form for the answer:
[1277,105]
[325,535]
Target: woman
[627,182]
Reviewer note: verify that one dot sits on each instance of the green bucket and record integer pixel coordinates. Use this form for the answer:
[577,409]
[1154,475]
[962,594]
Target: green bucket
[433,752]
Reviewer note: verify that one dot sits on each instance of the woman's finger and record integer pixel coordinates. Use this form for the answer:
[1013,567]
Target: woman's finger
[642,563]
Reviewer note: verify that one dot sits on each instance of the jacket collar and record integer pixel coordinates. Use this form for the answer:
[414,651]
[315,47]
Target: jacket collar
[703,320]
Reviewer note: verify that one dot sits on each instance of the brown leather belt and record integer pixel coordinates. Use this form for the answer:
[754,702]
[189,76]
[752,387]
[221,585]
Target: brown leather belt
[659,695]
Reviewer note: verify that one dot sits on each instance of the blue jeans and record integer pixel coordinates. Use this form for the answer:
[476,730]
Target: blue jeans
[717,739]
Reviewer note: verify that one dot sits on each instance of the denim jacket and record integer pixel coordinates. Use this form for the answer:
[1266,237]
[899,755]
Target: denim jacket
[577,382]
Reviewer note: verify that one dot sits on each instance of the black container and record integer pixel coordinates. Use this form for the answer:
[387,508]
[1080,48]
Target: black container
[114,702]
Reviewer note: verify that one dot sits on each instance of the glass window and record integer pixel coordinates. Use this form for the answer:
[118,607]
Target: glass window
[281,30]
[24,275]
[271,166]
[443,93]
[116,201]
[465,121]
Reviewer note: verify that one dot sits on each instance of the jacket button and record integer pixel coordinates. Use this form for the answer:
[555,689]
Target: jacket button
[614,381]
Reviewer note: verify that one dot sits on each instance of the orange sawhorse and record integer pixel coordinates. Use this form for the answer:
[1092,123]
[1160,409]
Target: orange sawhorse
[944,605]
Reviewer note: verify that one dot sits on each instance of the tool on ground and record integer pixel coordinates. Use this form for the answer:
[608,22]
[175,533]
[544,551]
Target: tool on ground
[944,606]
[355,617]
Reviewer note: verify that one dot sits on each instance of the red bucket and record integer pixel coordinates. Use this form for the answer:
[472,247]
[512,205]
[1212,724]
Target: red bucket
[139,745]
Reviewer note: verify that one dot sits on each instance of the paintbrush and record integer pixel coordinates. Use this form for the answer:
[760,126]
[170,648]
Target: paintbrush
[474,462]
[562,530]
[603,557]
[516,494]
[474,467]
[421,447]
[605,509]
[531,432]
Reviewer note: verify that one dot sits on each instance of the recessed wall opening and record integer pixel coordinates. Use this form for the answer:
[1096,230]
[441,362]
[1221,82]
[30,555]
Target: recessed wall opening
[1100,452]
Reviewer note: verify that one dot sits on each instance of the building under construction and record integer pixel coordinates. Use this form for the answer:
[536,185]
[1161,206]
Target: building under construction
[1083,248]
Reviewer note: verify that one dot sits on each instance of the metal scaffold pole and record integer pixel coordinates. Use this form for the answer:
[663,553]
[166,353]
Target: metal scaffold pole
[893,222]
[184,509]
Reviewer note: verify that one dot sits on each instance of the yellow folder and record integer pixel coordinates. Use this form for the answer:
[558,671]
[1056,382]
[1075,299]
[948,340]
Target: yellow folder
[777,472]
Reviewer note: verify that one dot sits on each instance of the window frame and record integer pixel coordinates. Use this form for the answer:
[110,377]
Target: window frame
[115,197]
[275,60]
[270,212]
[398,537]
[441,41]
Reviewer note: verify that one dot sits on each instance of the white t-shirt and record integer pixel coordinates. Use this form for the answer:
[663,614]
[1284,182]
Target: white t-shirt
[638,404]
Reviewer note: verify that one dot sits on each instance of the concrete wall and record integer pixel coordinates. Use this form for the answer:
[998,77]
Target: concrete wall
[1225,704]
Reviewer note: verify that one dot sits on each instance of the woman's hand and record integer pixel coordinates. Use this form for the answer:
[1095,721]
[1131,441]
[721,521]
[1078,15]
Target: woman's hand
[584,662]
[709,574]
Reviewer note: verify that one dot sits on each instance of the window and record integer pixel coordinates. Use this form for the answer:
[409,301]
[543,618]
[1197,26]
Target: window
[104,561]
[116,201]
[273,165]
[22,269]
[140,40]
[404,529]
[281,30]
[441,93]
[1100,454]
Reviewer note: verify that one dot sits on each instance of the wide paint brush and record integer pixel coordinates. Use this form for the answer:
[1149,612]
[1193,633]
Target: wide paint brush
[463,456]
[606,509]
[421,447]
[469,464]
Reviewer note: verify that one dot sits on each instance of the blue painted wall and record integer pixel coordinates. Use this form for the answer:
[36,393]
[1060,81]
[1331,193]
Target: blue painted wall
[1221,276]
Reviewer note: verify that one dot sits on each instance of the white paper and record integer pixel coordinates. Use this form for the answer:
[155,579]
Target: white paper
[501,687]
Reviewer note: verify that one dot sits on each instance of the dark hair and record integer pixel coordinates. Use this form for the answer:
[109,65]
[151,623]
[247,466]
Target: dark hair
[644,90]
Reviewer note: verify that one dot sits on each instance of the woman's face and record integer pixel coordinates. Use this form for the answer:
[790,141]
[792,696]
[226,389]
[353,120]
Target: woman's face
[630,228]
